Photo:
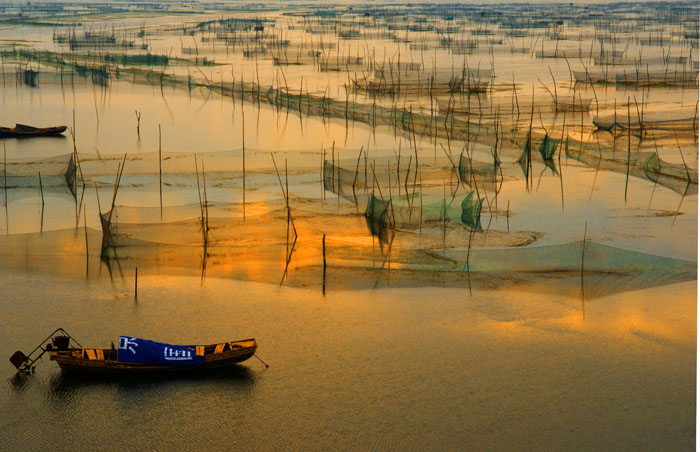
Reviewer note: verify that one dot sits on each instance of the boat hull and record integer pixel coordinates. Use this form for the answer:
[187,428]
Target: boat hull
[69,362]
[28,131]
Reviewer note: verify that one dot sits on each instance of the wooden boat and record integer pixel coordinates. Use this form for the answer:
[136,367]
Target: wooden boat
[163,358]
[105,360]
[22,131]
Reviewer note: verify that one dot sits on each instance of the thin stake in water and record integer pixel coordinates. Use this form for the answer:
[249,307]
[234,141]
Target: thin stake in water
[160,170]
[243,139]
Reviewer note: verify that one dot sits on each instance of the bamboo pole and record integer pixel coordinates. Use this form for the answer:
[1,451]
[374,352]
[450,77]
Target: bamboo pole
[286,182]
[388,172]
[160,171]
[357,169]
[420,182]
[386,206]
[4,153]
[120,171]
[583,247]
[687,173]
[508,216]
[323,241]
[469,248]
[97,195]
[335,186]
[323,173]
[285,195]
[87,248]
[206,205]
[41,191]
[243,140]
[556,98]
[629,147]
[199,195]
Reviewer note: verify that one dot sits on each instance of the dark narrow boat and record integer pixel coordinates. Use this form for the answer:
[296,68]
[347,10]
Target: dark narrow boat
[137,356]
[22,131]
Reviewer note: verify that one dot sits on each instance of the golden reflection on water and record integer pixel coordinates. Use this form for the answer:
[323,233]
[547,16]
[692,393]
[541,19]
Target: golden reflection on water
[648,322]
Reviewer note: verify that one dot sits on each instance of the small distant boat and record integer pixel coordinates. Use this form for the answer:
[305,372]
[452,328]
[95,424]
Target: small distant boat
[137,356]
[22,131]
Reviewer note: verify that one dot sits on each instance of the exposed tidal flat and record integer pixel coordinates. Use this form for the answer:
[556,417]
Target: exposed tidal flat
[448,227]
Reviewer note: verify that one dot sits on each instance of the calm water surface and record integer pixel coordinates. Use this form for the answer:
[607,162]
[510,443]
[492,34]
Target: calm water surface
[389,369]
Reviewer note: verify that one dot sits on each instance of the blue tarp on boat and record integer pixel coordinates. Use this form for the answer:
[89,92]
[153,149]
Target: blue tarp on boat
[136,350]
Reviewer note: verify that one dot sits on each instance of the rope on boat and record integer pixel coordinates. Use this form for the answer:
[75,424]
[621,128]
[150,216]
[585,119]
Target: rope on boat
[256,356]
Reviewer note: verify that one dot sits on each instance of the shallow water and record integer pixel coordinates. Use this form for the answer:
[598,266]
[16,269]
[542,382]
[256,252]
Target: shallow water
[634,214]
[391,369]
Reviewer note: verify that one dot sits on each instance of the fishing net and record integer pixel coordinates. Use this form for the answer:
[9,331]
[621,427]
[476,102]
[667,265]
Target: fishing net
[49,172]
[233,223]
[641,164]
[503,107]
[411,79]
[640,77]
[175,169]
[412,211]
[471,210]
[548,147]
[672,78]
[194,224]
[682,119]
[578,53]
[420,121]
[354,180]
[355,261]
[485,176]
